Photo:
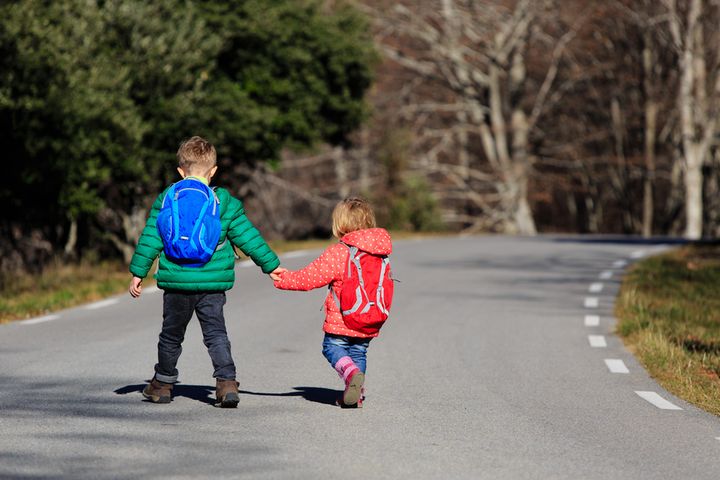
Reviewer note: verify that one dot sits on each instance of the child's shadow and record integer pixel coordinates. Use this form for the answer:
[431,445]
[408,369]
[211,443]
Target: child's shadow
[325,396]
[206,393]
[201,393]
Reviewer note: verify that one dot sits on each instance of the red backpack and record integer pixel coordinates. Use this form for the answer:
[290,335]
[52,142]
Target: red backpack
[367,291]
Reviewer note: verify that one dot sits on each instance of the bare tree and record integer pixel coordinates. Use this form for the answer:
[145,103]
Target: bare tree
[692,24]
[612,133]
[476,82]
[123,229]
[647,16]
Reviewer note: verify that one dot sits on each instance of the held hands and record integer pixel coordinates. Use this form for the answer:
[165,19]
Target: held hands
[276,274]
[136,282]
[135,287]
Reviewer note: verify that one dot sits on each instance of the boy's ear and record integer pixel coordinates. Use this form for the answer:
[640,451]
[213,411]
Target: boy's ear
[212,171]
[181,172]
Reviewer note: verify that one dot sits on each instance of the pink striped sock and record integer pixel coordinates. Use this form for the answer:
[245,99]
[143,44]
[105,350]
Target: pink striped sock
[349,373]
[346,368]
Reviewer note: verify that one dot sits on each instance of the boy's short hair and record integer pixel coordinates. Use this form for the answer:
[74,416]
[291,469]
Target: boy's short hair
[352,214]
[196,155]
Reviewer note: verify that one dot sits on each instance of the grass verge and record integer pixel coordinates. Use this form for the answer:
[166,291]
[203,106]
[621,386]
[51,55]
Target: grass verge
[60,286]
[668,314]
[63,286]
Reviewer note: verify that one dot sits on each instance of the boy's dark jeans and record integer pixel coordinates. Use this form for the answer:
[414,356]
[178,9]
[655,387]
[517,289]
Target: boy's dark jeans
[178,308]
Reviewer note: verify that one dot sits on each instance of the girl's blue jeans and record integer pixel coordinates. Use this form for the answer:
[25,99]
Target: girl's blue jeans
[335,347]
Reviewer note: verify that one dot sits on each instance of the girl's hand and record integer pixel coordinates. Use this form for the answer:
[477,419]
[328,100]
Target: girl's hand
[276,274]
[135,287]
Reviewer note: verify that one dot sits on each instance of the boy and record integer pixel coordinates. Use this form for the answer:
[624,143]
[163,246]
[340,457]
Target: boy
[199,289]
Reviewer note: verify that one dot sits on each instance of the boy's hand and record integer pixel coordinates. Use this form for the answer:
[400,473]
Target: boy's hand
[276,274]
[136,287]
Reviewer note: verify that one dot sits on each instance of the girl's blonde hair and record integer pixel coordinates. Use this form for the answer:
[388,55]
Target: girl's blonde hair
[352,214]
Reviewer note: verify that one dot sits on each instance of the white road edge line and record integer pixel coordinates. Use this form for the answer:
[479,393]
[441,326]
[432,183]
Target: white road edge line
[591,302]
[597,341]
[592,320]
[101,304]
[615,365]
[619,263]
[46,318]
[596,287]
[657,400]
[606,275]
[637,254]
[151,289]
[246,263]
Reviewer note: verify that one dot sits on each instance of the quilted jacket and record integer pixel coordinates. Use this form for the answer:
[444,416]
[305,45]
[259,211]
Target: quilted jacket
[329,269]
[219,273]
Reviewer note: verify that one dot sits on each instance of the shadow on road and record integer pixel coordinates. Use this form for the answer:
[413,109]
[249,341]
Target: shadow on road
[201,393]
[621,240]
[206,393]
[326,396]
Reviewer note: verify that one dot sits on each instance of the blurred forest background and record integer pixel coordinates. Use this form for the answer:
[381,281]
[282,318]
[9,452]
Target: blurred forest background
[510,116]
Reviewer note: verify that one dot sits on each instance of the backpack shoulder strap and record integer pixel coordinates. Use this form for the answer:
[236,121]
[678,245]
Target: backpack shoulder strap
[380,295]
[217,199]
[175,212]
[352,251]
[169,193]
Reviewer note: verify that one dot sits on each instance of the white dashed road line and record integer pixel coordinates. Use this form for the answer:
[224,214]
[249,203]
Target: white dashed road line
[606,275]
[246,263]
[616,365]
[46,318]
[101,304]
[591,302]
[657,400]
[151,289]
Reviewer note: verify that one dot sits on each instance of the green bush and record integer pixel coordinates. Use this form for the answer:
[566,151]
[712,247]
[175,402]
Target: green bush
[406,201]
[414,207]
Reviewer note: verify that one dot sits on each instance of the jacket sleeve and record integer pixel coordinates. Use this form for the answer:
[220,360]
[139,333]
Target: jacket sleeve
[149,245]
[322,271]
[243,234]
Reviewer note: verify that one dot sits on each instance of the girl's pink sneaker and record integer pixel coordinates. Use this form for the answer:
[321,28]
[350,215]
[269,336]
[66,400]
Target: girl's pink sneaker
[353,389]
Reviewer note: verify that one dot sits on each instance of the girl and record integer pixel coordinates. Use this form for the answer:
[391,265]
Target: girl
[353,223]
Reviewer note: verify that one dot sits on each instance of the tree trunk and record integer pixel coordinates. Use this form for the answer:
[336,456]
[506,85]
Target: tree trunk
[693,101]
[651,112]
[521,172]
[693,194]
[72,239]
[132,227]
[523,214]
[341,173]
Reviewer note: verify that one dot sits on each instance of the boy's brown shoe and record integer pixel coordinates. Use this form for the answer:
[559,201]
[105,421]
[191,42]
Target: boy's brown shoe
[158,392]
[226,392]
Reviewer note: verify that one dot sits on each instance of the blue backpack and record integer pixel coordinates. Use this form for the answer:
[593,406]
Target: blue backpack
[189,223]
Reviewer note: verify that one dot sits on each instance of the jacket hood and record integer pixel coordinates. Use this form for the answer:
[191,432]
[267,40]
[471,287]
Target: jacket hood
[372,240]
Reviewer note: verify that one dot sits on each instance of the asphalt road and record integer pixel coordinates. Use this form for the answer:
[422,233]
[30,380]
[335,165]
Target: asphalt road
[486,370]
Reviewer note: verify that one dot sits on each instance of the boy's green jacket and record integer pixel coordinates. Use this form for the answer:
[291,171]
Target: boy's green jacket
[219,273]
